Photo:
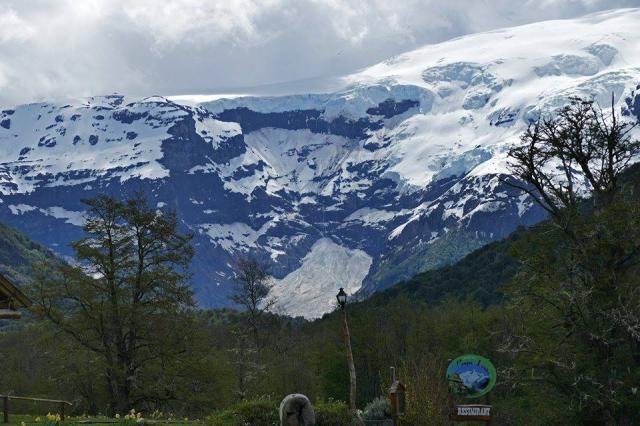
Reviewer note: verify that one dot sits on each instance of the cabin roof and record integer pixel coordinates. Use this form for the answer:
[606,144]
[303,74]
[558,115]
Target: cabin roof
[10,295]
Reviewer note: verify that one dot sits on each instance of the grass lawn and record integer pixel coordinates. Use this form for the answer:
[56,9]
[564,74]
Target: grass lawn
[41,420]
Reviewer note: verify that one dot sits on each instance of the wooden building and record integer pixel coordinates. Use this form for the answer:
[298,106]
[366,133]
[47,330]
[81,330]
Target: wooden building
[11,299]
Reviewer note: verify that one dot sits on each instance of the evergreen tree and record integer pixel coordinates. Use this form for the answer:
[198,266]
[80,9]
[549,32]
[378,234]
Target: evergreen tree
[125,298]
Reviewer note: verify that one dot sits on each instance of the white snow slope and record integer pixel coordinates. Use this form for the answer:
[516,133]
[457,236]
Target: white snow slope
[478,91]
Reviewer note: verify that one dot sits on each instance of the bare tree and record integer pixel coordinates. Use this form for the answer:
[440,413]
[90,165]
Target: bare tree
[252,287]
[561,155]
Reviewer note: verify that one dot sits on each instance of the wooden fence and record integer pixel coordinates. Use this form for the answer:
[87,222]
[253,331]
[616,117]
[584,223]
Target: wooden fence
[7,398]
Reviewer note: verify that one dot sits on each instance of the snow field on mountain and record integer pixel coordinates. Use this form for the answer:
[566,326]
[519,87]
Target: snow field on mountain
[327,267]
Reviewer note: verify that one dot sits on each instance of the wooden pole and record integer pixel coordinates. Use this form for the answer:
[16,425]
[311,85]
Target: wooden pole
[5,408]
[452,406]
[352,368]
[451,401]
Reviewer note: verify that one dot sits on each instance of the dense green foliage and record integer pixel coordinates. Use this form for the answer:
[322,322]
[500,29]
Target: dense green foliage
[333,413]
[264,412]
[259,412]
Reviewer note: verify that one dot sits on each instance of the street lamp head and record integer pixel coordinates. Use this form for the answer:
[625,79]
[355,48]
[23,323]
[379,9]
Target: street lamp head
[342,298]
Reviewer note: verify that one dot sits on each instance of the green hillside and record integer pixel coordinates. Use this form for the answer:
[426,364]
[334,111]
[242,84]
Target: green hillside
[18,254]
[479,275]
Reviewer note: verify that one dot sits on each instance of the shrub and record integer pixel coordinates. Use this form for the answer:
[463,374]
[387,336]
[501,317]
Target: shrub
[333,413]
[378,409]
[263,412]
[429,396]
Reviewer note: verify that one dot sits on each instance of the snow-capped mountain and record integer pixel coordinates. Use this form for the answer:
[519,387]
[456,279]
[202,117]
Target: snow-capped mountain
[397,172]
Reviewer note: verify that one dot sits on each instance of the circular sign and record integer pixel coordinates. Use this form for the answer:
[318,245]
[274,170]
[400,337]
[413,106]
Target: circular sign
[471,376]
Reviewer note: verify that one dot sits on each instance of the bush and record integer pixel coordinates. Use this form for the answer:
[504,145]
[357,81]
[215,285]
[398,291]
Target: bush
[333,413]
[262,412]
[378,409]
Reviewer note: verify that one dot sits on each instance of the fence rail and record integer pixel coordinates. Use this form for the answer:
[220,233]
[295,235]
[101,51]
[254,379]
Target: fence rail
[7,398]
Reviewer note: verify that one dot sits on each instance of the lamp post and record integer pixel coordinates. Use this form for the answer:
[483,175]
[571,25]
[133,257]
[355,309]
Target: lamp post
[342,301]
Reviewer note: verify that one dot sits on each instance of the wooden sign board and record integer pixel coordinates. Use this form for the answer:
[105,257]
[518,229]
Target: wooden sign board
[471,376]
[472,412]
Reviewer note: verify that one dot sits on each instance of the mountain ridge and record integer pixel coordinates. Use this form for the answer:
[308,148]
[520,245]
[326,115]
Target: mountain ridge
[401,171]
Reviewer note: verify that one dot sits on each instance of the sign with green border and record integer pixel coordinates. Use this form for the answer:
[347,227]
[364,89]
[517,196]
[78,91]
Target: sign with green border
[471,376]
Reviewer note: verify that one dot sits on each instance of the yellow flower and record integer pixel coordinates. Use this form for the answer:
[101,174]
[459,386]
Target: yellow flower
[37,419]
[23,424]
[53,417]
[117,416]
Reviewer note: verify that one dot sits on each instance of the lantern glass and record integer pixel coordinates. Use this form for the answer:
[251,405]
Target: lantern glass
[342,297]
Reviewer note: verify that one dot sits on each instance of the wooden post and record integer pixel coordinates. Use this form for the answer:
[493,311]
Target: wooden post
[452,405]
[5,408]
[62,411]
[352,368]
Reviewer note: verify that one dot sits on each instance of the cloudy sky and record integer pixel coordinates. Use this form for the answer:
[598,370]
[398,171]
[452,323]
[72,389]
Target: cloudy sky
[58,48]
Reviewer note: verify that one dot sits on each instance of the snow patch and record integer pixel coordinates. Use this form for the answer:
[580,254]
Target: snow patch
[310,290]
[75,218]
[20,209]
[235,236]
[369,216]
